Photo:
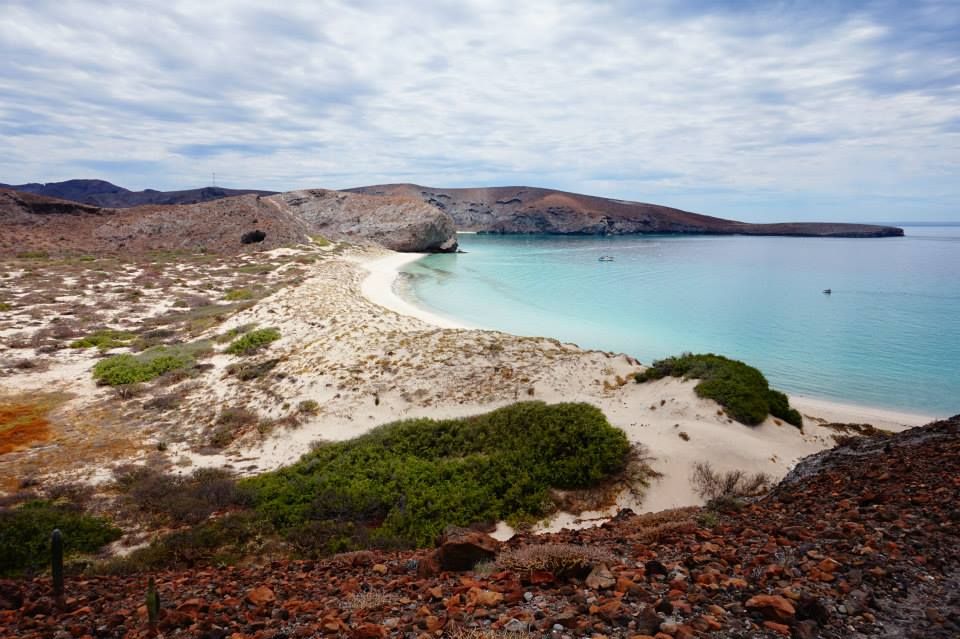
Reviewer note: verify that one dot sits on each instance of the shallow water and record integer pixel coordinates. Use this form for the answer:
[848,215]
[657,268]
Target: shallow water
[888,335]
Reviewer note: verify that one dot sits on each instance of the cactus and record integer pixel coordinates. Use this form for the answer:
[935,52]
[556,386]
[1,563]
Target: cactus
[153,603]
[56,563]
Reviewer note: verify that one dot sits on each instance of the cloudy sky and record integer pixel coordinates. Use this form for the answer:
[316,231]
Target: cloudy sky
[757,110]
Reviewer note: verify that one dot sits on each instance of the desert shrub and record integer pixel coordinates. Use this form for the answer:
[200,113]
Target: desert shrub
[104,339]
[410,479]
[25,534]
[742,390]
[725,489]
[308,407]
[560,559]
[234,333]
[245,371]
[131,369]
[239,294]
[5,306]
[223,541]
[180,500]
[33,255]
[253,341]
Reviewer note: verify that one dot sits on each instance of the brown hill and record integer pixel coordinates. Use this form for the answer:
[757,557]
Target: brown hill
[38,224]
[521,209]
[103,193]
[861,541]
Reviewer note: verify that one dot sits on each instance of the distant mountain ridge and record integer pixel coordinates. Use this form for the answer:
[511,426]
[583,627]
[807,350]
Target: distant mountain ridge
[105,194]
[504,209]
[523,209]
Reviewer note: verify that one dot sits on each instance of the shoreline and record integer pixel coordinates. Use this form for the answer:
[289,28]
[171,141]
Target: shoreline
[378,288]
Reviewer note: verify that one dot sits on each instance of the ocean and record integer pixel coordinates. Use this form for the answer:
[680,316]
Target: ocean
[887,336]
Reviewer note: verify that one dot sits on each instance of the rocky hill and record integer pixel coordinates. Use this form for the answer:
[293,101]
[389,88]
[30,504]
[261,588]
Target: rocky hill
[521,209]
[861,541]
[105,194]
[39,224]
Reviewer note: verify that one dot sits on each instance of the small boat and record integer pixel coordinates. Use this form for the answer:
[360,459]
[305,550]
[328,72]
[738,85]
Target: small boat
[827,291]
[605,258]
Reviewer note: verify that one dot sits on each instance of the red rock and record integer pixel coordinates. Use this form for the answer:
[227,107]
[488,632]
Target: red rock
[608,610]
[773,607]
[777,627]
[261,596]
[482,597]
[369,631]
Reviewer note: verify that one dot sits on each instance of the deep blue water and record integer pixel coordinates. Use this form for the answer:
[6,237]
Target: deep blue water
[888,336]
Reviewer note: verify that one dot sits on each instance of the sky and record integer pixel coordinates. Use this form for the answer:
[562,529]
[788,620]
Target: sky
[841,110]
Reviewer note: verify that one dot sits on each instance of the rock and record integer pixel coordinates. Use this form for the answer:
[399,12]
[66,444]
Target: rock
[600,578]
[654,567]
[777,627]
[483,597]
[462,549]
[772,607]
[369,631]
[261,596]
[398,223]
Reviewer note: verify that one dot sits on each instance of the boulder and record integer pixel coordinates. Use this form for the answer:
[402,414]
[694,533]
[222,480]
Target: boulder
[462,549]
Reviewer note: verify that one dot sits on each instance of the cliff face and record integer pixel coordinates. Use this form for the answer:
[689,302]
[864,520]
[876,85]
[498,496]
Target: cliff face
[229,225]
[398,223]
[518,209]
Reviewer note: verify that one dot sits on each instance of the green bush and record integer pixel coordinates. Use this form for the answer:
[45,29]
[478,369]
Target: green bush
[741,389]
[25,534]
[253,341]
[410,479]
[104,339]
[120,370]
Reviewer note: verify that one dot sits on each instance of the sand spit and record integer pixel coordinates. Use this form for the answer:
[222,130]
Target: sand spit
[352,355]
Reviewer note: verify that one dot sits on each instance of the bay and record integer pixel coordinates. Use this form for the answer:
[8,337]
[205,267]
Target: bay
[888,335]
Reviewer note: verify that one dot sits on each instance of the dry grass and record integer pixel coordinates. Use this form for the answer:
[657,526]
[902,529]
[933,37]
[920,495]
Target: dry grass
[488,633]
[562,560]
[369,600]
[712,485]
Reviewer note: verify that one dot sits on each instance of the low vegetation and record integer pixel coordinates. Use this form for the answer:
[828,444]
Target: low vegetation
[253,341]
[402,483]
[125,369]
[104,339]
[25,534]
[742,390]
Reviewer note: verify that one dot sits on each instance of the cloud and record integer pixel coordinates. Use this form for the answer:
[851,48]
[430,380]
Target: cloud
[748,109]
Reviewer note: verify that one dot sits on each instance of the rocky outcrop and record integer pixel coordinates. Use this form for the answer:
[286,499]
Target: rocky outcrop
[250,222]
[520,209]
[398,223]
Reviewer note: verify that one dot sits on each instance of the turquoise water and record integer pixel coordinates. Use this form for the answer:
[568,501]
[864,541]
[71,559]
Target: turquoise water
[888,336]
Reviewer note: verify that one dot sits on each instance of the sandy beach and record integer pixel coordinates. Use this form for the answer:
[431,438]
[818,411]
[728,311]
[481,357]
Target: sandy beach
[363,356]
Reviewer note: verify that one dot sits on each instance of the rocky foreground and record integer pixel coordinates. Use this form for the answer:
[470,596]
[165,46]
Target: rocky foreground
[860,541]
